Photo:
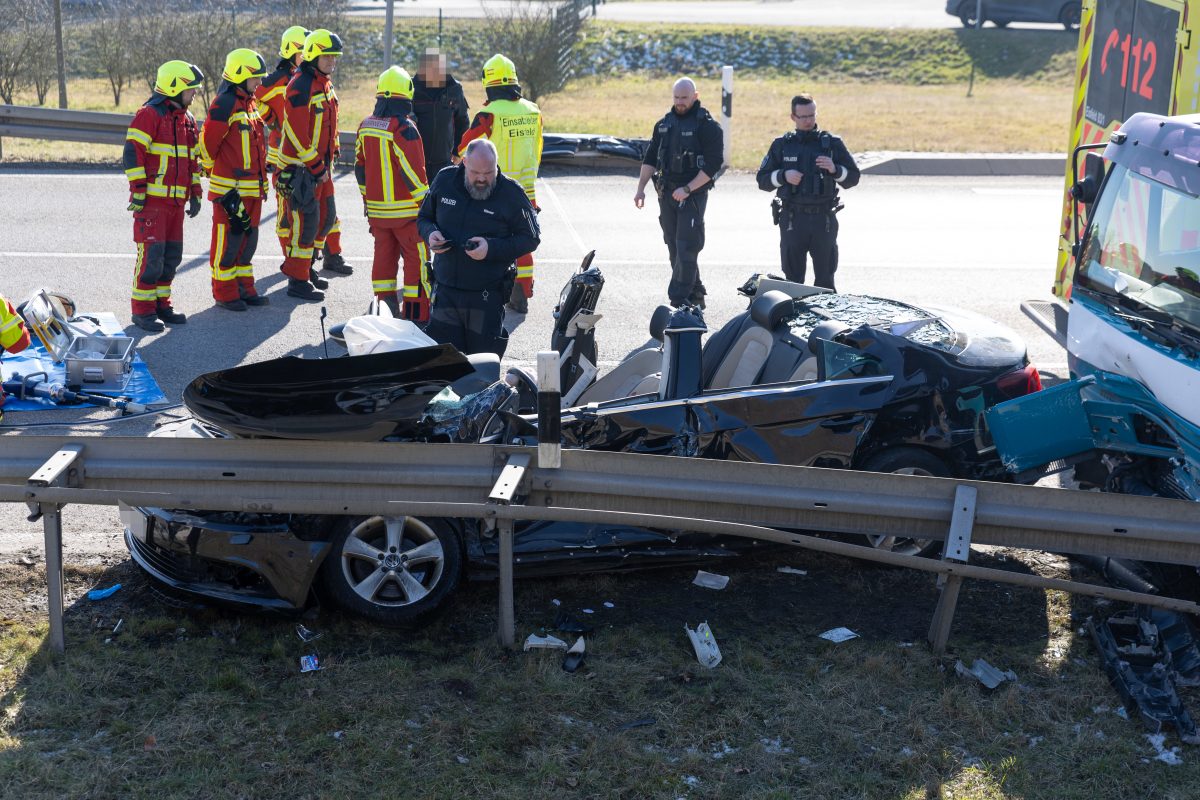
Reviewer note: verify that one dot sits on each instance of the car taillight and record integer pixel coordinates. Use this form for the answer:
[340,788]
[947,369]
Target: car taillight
[1020,382]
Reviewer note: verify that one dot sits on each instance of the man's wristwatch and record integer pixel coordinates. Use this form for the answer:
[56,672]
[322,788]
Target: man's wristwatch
[687,189]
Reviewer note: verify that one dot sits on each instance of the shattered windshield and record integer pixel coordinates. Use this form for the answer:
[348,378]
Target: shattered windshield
[1143,247]
[855,310]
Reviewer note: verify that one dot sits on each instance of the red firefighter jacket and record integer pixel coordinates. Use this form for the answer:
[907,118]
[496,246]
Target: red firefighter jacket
[232,149]
[271,107]
[310,126]
[389,163]
[160,152]
[13,336]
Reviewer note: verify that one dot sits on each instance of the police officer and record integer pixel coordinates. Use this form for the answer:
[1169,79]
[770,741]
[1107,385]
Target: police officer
[477,222]
[685,154]
[804,168]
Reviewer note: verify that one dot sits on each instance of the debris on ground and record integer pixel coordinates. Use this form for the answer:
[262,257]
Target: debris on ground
[705,645]
[1146,653]
[1158,742]
[710,580]
[791,571]
[839,635]
[100,594]
[307,635]
[309,663]
[988,676]
[565,623]
[574,657]
[544,642]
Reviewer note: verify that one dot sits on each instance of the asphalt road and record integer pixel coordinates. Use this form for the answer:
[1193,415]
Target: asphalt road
[850,13]
[982,244]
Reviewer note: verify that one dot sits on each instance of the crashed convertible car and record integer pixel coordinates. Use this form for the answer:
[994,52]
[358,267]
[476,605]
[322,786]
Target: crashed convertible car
[802,377]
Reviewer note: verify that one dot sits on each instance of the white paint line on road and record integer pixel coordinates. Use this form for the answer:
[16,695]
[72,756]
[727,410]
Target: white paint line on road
[548,191]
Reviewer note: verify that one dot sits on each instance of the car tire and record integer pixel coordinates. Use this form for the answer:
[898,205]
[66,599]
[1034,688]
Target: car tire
[906,461]
[1069,16]
[393,570]
[966,13]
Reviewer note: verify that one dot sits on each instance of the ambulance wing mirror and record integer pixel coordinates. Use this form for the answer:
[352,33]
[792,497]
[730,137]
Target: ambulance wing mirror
[1087,188]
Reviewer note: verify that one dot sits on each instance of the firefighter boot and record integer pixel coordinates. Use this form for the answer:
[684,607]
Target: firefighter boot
[303,290]
[316,280]
[254,299]
[232,305]
[171,316]
[335,263]
[517,302]
[148,322]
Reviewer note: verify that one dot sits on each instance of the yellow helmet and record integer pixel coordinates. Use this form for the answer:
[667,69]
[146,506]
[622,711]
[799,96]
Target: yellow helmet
[499,71]
[176,76]
[292,41]
[395,82]
[322,43]
[242,64]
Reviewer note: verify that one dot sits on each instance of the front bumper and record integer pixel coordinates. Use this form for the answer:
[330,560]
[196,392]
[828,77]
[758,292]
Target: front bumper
[261,565]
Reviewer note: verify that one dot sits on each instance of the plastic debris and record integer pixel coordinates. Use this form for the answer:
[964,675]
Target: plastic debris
[545,642]
[791,571]
[556,602]
[1171,756]
[567,624]
[338,734]
[100,594]
[574,657]
[705,645]
[987,675]
[306,635]
[117,627]
[587,611]
[608,604]
[309,663]
[839,635]
[711,580]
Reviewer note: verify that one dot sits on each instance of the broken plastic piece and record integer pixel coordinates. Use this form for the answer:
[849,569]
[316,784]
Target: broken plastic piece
[985,673]
[574,656]
[546,642]
[839,635]
[309,663]
[306,635]
[567,624]
[710,580]
[100,594]
[705,645]
[791,571]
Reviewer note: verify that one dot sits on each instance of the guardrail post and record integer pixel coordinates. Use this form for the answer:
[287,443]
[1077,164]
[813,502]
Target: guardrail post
[957,549]
[549,405]
[64,468]
[505,488]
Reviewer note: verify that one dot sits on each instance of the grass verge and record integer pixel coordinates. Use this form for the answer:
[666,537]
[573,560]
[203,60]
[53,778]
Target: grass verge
[200,704]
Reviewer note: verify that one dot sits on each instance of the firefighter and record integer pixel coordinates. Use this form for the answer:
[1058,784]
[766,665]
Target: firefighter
[234,154]
[684,156]
[308,152]
[514,125]
[13,336]
[270,97]
[804,168]
[478,222]
[389,165]
[164,176]
[440,109]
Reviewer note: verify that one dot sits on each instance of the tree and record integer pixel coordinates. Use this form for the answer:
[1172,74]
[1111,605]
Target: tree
[42,63]
[16,48]
[108,45]
[540,38]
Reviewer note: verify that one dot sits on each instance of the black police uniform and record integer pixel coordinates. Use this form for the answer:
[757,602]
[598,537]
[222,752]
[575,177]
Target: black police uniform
[469,295]
[805,214]
[441,116]
[681,147]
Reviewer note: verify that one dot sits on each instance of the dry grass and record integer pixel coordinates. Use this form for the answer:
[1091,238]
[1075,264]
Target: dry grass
[1002,116]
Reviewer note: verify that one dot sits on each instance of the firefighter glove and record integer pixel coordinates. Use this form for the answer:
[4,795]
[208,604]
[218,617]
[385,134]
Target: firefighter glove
[137,202]
[239,218]
[193,206]
[284,185]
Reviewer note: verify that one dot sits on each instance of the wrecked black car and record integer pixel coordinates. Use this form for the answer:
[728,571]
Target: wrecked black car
[802,377]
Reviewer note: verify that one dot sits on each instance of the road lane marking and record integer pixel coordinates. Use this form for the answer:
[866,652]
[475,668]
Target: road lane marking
[558,207]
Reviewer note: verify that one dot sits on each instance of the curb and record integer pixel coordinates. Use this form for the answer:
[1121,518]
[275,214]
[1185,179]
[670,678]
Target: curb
[964,164]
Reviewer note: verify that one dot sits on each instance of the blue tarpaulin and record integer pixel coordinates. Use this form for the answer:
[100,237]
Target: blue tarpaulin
[142,387]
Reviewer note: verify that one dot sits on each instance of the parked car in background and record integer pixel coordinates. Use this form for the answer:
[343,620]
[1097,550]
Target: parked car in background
[1002,12]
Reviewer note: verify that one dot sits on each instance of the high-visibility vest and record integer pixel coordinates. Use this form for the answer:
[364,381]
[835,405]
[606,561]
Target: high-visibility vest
[13,336]
[517,134]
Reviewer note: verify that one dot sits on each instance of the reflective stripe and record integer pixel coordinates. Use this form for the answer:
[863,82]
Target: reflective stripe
[245,187]
[140,136]
[163,291]
[159,190]
[135,174]
[386,286]
[177,150]
[245,270]
[525,271]
[423,255]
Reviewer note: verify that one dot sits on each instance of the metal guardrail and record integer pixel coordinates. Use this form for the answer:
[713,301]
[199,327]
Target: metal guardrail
[97,127]
[499,484]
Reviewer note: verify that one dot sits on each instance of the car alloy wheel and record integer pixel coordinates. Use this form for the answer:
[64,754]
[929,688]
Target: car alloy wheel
[392,570]
[906,461]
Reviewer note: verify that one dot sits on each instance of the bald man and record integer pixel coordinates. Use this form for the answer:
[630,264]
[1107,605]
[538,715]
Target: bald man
[685,154]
